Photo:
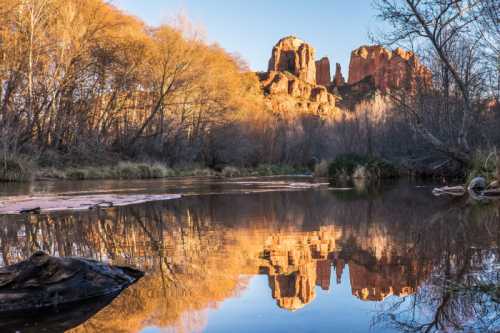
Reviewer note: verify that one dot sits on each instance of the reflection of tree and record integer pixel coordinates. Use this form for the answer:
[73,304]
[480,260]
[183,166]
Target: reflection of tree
[195,251]
[463,292]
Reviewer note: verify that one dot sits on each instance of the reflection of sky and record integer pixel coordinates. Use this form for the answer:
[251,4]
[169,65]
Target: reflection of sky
[254,310]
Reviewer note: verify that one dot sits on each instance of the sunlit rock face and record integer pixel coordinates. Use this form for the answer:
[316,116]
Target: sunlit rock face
[289,97]
[398,69]
[323,76]
[293,55]
[290,85]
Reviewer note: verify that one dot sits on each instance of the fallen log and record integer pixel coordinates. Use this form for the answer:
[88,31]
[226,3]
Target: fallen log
[477,190]
[456,191]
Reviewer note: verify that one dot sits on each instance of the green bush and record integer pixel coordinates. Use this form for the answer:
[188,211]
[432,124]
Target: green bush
[76,174]
[160,171]
[348,166]
[16,169]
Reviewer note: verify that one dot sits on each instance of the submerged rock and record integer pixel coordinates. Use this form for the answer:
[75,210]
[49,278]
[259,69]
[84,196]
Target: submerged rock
[43,281]
[44,204]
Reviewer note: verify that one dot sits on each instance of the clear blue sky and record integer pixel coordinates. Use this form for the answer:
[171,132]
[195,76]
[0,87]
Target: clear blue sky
[251,27]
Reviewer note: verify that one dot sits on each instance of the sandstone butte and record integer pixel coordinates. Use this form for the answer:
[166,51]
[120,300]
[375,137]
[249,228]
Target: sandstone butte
[390,70]
[296,83]
[295,56]
[290,82]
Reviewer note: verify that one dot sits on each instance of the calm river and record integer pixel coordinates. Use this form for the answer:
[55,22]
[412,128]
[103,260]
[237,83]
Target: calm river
[272,255]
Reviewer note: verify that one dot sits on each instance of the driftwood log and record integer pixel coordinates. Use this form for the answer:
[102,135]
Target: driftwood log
[43,281]
[477,190]
[455,191]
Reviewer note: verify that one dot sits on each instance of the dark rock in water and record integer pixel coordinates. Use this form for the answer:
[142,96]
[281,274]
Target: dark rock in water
[54,319]
[43,282]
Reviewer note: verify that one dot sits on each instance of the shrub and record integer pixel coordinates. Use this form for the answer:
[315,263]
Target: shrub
[344,165]
[230,171]
[203,172]
[321,169]
[76,174]
[127,170]
[16,168]
[160,171]
[277,170]
[348,166]
[484,164]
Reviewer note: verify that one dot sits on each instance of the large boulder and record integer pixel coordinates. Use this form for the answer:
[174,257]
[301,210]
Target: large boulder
[293,55]
[43,282]
[398,69]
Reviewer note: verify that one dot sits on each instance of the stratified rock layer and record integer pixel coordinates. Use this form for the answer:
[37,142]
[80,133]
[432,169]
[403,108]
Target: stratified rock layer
[398,69]
[293,55]
[290,96]
[323,76]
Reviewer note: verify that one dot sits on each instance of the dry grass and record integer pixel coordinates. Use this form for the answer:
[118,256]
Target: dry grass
[16,169]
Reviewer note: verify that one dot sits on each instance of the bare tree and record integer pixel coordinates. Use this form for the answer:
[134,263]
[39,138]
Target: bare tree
[448,28]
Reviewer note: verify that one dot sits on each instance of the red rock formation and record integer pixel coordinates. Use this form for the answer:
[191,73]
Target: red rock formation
[339,269]
[296,263]
[376,285]
[290,83]
[323,76]
[293,55]
[398,69]
[289,95]
[323,274]
[338,79]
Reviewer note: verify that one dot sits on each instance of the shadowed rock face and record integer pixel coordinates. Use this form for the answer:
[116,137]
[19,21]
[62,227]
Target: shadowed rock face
[398,69]
[293,55]
[55,319]
[43,281]
[338,79]
[323,76]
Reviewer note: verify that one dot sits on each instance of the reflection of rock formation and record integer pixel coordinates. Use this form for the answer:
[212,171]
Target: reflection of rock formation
[376,286]
[299,261]
[296,263]
[294,289]
[195,250]
[323,272]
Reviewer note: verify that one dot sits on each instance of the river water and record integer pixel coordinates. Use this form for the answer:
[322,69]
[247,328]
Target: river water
[273,255]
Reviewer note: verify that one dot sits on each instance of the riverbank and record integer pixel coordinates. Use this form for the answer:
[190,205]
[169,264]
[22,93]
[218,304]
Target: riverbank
[20,171]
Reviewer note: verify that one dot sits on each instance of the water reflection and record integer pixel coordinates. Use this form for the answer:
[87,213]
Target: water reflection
[427,265]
